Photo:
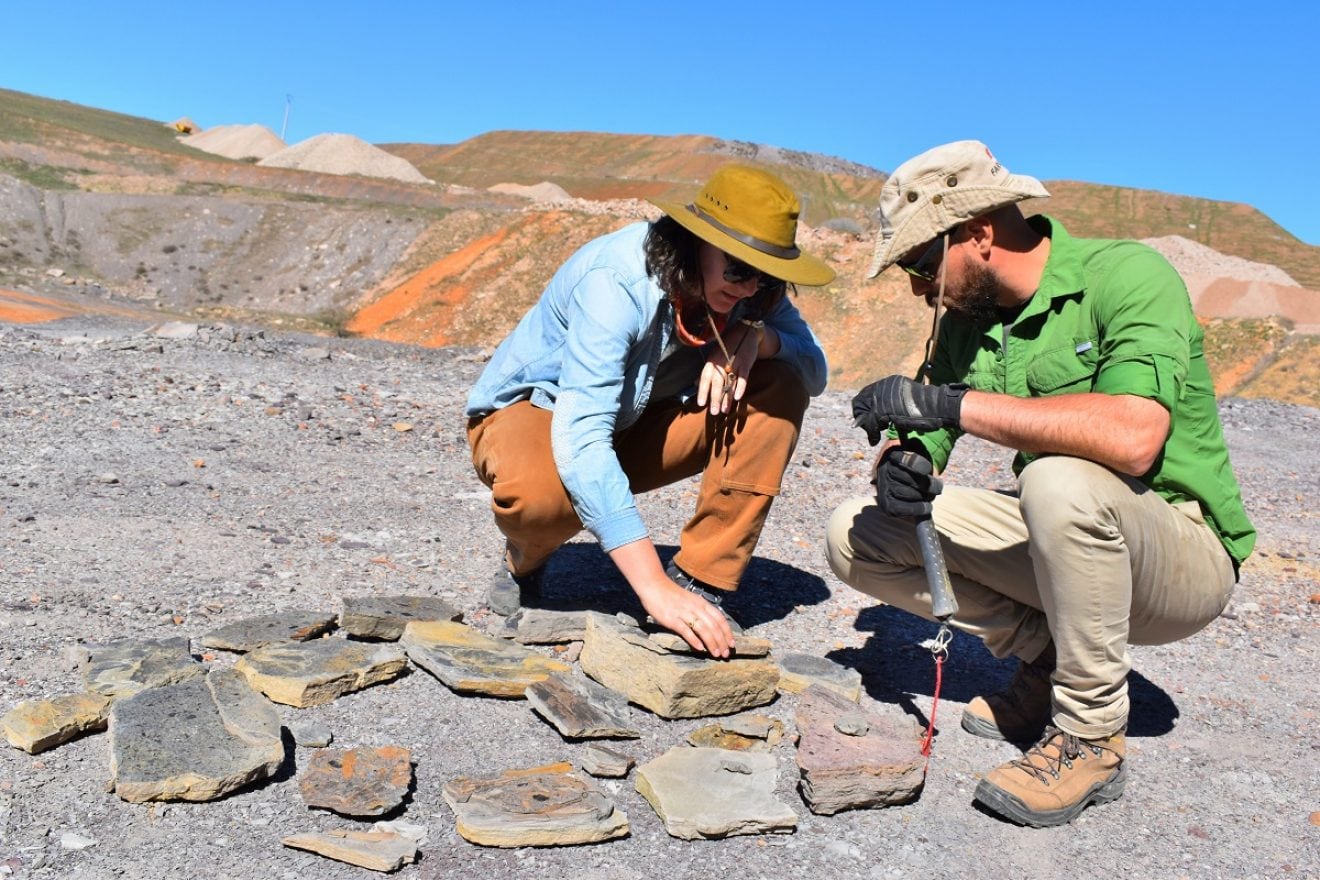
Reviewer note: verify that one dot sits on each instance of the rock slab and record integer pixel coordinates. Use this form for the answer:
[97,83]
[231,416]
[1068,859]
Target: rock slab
[384,617]
[746,733]
[712,793]
[672,685]
[196,740]
[607,763]
[129,667]
[305,674]
[545,626]
[797,672]
[37,725]
[581,709]
[383,851]
[541,806]
[471,662]
[852,759]
[253,633]
[357,782]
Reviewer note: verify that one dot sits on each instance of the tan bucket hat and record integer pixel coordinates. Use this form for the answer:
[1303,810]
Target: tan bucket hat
[930,194]
[751,215]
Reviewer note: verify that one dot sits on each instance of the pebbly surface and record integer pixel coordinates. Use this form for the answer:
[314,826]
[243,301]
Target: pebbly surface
[154,487]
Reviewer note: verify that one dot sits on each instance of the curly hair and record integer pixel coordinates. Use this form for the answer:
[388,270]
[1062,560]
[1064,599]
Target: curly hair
[672,259]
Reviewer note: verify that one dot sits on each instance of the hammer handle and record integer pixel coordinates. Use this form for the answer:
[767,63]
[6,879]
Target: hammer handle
[943,605]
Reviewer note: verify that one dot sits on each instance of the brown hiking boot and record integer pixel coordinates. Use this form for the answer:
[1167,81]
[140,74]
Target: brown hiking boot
[1056,779]
[1020,713]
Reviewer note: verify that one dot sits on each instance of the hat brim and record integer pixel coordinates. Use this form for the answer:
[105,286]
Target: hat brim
[803,269]
[936,218]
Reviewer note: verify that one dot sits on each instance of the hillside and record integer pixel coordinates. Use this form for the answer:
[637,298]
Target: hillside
[130,216]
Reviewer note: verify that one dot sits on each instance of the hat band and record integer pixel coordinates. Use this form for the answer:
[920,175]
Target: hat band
[765,247]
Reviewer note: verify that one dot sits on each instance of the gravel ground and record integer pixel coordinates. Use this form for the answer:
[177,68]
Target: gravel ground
[153,487]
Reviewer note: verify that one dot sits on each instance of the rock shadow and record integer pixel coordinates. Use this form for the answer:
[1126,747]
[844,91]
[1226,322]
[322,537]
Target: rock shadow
[580,577]
[895,667]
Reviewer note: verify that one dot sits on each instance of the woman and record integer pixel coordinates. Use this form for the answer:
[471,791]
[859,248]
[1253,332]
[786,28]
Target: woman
[656,352]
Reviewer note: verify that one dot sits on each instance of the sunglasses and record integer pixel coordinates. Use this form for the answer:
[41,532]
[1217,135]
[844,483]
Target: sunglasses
[927,265]
[737,272]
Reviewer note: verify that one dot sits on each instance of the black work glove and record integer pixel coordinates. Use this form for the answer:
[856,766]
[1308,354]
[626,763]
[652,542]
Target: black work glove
[905,484]
[907,405]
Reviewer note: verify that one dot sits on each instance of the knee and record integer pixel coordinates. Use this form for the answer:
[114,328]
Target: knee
[1057,489]
[841,547]
[775,387]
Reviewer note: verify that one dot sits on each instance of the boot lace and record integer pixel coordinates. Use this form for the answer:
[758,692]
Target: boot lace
[1056,750]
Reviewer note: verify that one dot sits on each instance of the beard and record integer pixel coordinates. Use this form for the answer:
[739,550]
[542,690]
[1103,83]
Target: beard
[977,297]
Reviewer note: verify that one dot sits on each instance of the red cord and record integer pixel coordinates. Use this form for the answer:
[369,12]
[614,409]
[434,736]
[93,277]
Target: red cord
[934,704]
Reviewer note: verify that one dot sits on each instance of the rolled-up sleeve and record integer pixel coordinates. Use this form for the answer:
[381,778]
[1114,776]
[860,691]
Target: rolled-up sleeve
[603,323]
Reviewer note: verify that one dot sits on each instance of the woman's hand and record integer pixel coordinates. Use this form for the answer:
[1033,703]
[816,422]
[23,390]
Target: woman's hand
[695,620]
[723,383]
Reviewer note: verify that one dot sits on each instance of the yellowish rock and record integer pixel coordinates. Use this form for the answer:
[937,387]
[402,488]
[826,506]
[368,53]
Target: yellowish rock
[471,662]
[315,673]
[37,725]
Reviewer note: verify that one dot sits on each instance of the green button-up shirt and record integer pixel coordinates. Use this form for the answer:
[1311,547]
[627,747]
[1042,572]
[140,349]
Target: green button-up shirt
[1111,317]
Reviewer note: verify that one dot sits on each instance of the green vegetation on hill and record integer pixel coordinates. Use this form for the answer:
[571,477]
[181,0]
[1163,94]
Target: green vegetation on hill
[35,120]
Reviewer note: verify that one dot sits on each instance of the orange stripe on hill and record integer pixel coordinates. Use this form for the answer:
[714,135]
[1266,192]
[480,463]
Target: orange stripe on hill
[25,308]
[416,292]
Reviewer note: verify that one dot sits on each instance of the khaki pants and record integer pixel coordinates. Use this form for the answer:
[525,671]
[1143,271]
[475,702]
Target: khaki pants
[1086,556]
[741,456]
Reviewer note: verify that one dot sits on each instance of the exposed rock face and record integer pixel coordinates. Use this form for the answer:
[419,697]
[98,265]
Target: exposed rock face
[543,806]
[270,629]
[128,667]
[797,672]
[712,793]
[37,725]
[193,741]
[672,685]
[581,709]
[471,662]
[314,673]
[357,782]
[382,851]
[852,759]
[384,617]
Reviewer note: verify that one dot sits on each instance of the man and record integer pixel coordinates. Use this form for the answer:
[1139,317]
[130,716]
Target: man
[1128,525]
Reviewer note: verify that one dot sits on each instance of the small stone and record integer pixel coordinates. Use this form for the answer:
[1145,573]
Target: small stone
[542,806]
[357,782]
[174,330]
[754,733]
[579,708]
[383,851]
[252,633]
[306,674]
[384,617]
[852,724]
[311,735]
[109,478]
[602,761]
[708,793]
[129,667]
[75,657]
[471,662]
[71,840]
[37,725]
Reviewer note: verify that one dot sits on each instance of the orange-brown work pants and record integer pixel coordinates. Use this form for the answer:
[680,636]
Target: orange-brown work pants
[741,457]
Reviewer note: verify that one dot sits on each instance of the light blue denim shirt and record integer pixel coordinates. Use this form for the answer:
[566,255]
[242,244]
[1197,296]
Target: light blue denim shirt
[588,350]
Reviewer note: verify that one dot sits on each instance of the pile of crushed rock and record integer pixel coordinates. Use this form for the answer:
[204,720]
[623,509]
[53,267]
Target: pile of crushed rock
[545,191]
[344,154]
[237,141]
[1193,258]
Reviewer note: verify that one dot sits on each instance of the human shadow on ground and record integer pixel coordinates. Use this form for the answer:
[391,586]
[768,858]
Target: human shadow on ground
[580,577]
[895,666]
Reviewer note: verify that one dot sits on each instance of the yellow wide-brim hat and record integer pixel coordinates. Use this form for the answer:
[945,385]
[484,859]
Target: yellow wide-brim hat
[752,216]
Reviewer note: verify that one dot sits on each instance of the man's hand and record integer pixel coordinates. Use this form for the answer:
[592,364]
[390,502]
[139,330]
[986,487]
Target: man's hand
[907,405]
[905,484]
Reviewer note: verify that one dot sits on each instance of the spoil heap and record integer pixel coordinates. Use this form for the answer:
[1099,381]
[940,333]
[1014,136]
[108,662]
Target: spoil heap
[343,154]
[236,141]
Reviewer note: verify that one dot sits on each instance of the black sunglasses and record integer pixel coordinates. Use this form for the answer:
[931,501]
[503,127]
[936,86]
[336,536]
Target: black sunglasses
[736,272]
[926,265]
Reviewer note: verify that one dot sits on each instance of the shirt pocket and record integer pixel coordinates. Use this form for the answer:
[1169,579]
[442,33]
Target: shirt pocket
[1064,370]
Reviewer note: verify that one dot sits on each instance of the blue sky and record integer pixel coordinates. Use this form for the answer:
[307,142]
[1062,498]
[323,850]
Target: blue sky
[1212,99]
